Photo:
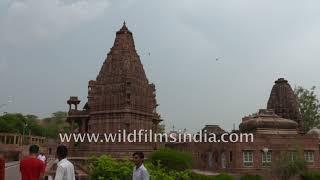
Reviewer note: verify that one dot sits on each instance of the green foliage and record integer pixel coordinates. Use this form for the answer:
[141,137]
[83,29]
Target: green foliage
[251,177]
[25,124]
[158,172]
[54,124]
[106,168]
[171,159]
[310,176]
[309,107]
[162,128]
[221,176]
[286,166]
[18,123]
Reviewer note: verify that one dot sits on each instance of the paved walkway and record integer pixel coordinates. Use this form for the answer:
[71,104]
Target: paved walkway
[12,171]
[210,173]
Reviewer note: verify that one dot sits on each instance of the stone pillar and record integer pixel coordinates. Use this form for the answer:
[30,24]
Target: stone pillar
[14,139]
[2,167]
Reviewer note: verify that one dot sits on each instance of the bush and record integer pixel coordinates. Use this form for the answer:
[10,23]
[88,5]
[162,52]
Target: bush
[224,176]
[286,167]
[106,168]
[251,177]
[221,176]
[201,177]
[171,159]
[310,176]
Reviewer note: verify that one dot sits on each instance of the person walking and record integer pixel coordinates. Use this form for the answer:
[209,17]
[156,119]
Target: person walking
[139,171]
[65,169]
[32,168]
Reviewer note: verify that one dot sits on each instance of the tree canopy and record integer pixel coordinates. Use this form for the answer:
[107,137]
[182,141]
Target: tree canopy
[309,106]
[25,124]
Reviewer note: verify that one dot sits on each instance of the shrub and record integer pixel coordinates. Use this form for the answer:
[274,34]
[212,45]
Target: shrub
[104,168]
[251,177]
[286,166]
[221,176]
[310,176]
[158,172]
[224,176]
[201,177]
[171,159]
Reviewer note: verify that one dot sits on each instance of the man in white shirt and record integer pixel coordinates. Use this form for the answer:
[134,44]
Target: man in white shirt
[139,171]
[65,169]
[42,157]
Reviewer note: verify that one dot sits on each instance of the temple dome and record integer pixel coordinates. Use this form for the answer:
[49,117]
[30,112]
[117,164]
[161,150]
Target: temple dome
[314,131]
[266,119]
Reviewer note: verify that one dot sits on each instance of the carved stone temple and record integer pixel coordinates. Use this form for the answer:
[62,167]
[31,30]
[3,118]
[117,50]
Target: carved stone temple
[121,98]
[284,102]
[277,132]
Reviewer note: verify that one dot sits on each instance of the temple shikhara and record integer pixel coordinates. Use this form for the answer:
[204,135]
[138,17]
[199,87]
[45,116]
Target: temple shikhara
[121,98]
[284,102]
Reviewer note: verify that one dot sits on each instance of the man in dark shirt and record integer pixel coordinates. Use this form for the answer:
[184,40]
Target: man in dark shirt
[32,168]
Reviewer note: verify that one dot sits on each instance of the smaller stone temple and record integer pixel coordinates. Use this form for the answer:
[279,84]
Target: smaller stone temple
[276,132]
[267,122]
[120,98]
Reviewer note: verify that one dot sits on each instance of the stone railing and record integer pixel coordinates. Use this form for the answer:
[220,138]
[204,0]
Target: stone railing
[18,139]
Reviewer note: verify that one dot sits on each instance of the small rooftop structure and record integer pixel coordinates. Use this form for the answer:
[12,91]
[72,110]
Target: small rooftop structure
[266,121]
[314,131]
[216,129]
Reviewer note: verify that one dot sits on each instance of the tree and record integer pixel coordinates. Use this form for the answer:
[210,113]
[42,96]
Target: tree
[309,107]
[18,123]
[54,124]
[25,124]
[289,164]
[172,159]
[162,128]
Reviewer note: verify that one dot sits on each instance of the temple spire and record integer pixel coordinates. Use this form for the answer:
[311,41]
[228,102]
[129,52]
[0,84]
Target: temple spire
[124,29]
[284,102]
[123,60]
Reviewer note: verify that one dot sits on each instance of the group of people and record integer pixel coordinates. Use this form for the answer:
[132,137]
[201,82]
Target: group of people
[32,167]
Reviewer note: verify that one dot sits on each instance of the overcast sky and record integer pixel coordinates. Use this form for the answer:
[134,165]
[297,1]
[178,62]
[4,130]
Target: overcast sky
[50,49]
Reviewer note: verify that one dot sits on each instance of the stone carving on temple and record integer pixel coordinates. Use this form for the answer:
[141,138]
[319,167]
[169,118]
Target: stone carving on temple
[120,98]
[284,102]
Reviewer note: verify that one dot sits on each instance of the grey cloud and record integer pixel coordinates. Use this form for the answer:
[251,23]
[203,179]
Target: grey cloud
[256,41]
[32,20]
[3,65]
